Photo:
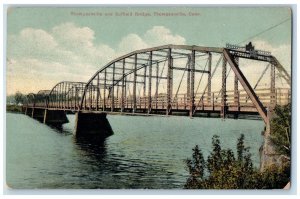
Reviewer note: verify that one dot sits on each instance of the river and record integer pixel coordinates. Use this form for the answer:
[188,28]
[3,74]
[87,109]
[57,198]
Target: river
[143,153]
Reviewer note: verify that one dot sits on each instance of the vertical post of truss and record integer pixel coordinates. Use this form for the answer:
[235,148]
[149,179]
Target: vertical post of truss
[188,83]
[104,91]
[149,84]
[60,96]
[144,87]
[209,79]
[156,89]
[73,102]
[125,92]
[66,92]
[272,89]
[134,84]
[68,95]
[97,98]
[91,95]
[123,89]
[192,92]
[68,98]
[63,95]
[117,95]
[75,95]
[236,87]
[72,97]
[223,102]
[55,98]
[85,107]
[112,94]
[169,82]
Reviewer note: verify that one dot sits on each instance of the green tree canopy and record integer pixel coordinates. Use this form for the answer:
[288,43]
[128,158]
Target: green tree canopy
[19,98]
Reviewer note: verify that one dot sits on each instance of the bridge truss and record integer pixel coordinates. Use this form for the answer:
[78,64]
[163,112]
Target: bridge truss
[175,79]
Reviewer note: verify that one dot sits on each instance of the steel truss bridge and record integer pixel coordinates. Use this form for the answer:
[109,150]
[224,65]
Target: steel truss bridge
[175,80]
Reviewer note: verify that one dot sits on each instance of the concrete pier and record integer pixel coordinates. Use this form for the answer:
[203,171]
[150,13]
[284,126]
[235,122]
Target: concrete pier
[28,111]
[92,124]
[55,117]
[38,114]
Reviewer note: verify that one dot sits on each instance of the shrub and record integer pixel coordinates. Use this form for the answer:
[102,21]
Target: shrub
[222,170]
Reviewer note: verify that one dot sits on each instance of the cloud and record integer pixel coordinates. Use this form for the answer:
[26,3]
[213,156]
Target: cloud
[31,75]
[281,52]
[160,35]
[31,42]
[71,36]
[131,42]
[80,41]
[156,36]
[69,52]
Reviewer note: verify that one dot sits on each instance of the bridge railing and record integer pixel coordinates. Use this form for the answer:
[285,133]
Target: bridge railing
[182,102]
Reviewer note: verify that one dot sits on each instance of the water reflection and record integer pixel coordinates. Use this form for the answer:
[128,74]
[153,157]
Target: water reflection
[58,127]
[94,146]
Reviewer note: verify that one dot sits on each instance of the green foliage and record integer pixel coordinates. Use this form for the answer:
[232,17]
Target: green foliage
[222,170]
[13,108]
[281,129]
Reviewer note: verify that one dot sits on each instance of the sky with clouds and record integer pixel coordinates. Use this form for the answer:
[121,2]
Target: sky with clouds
[49,45]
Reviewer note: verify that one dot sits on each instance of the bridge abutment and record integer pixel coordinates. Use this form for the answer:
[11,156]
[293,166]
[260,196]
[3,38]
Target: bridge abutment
[268,155]
[55,117]
[92,124]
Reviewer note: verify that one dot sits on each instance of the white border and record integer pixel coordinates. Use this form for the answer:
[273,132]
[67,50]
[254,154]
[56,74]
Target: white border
[151,193]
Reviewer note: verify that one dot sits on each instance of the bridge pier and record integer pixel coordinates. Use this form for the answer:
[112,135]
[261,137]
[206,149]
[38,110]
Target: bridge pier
[38,114]
[28,111]
[55,117]
[92,124]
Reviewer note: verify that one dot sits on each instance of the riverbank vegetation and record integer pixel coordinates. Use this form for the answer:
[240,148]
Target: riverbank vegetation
[13,108]
[222,169]
[14,102]
[281,130]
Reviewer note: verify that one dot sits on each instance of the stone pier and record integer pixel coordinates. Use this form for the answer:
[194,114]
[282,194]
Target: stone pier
[28,111]
[55,117]
[268,155]
[92,124]
[38,114]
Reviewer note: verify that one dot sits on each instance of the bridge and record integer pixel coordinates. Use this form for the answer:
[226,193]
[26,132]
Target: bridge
[168,80]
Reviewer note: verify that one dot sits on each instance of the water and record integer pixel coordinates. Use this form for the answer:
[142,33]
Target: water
[144,152]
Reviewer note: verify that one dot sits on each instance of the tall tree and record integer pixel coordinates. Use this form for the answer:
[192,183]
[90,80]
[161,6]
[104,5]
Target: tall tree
[19,97]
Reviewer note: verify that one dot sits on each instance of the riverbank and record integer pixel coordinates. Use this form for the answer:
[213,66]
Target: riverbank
[14,108]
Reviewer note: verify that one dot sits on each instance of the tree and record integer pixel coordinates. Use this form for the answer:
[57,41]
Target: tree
[19,97]
[281,130]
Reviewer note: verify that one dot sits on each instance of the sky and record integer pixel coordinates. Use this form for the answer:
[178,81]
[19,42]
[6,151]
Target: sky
[46,45]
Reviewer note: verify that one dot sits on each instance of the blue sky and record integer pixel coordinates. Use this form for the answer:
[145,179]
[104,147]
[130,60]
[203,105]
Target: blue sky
[48,45]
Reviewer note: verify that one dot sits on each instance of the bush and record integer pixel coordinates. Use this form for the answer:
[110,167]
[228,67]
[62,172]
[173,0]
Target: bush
[222,170]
